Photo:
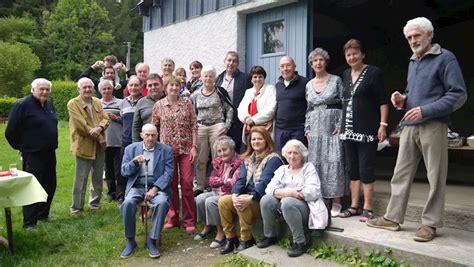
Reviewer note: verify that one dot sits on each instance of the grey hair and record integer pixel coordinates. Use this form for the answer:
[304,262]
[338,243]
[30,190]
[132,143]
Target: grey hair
[300,146]
[167,60]
[318,52]
[149,126]
[135,77]
[104,83]
[139,65]
[36,82]
[421,23]
[232,54]
[224,140]
[82,80]
[209,69]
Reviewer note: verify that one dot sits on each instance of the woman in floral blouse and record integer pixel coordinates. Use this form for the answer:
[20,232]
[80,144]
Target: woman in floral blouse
[176,121]
[214,117]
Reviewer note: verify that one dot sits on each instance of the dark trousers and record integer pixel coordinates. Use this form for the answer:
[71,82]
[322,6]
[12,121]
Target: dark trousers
[42,165]
[122,181]
[360,158]
[115,182]
[282,136]
[235,132]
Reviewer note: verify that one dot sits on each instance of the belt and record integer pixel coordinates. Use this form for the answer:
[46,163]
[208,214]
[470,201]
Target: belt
[330,106]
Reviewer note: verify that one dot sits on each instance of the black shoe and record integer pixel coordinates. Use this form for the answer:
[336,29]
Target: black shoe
[230,244]
[245,245]
[297,249]
[267,241]
[197,192]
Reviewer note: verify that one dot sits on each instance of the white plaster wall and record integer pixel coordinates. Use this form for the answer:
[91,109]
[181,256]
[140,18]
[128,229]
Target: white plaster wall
[206,38]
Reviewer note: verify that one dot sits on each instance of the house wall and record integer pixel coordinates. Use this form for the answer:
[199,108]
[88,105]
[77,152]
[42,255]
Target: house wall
[205,38]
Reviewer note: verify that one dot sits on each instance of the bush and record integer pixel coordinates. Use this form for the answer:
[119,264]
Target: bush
[61,93]
[6,104]
[18,64]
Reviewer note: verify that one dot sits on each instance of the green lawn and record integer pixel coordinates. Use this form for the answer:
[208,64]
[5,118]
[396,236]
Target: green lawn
[94,239]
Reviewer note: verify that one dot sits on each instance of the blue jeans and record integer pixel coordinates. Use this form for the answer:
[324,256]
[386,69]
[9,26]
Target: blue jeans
[128,209]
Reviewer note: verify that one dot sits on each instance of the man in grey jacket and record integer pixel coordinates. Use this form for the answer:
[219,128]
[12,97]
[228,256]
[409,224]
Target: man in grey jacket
[435,89]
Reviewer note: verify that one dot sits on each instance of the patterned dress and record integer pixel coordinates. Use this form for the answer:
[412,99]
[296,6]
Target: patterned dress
[325,149]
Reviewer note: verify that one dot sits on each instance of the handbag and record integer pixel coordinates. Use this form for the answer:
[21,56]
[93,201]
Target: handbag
[318,214]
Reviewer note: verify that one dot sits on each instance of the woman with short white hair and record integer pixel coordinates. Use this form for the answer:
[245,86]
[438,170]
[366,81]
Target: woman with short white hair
[214,116]
[225,172]
[288,192]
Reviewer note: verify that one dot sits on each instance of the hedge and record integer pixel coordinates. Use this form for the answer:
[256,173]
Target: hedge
[62,91]
[6,104]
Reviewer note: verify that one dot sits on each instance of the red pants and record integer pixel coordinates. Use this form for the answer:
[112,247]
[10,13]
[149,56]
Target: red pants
[183,167]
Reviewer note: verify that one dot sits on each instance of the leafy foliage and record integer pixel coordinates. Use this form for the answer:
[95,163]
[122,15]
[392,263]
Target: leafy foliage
[61,93]
[17,69]
[352,257]
[6,104]
[14,29]
[126,26]
[77,32]
[68,35]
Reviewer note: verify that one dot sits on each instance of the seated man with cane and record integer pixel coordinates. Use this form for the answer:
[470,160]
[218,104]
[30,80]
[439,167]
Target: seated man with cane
[141,159]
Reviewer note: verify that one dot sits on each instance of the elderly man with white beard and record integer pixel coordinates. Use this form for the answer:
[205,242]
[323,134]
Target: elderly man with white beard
[435,89]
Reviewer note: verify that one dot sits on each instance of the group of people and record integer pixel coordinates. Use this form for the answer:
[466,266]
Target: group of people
[158,132]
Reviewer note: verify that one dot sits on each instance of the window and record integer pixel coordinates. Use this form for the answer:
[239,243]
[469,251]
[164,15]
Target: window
[274,39]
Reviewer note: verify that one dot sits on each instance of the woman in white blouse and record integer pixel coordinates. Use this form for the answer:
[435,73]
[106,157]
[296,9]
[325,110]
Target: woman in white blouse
[258,106]
[288,192]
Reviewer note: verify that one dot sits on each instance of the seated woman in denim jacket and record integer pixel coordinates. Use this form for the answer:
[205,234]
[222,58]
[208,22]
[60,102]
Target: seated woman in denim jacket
[260,162]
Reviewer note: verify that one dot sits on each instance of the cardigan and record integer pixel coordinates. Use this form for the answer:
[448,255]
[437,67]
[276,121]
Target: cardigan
[366,101]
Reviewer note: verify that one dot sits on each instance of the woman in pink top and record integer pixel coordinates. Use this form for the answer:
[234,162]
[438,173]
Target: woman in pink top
[226,170]
[177,124]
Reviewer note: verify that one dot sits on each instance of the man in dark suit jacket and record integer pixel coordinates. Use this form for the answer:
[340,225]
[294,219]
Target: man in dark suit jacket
[235,82]
[134,167]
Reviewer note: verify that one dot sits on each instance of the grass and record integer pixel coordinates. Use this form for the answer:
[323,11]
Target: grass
[238,260]
[94,239]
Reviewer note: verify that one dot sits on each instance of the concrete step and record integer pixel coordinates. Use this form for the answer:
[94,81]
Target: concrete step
[276,256]
[459,207]
[452,247]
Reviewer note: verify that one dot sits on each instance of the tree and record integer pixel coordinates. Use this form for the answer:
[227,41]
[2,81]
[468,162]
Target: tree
[77,34]
[20,8]
[17,69]
[127,27]
[21,30]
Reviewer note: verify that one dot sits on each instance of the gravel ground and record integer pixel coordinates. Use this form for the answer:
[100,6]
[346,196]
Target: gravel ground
[184,252]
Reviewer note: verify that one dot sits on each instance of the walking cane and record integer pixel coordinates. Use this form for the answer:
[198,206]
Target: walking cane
[146,202]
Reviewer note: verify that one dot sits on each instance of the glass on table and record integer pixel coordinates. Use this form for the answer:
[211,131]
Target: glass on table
[13,169]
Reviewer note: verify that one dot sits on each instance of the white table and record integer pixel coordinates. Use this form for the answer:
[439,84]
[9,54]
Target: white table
[18,191]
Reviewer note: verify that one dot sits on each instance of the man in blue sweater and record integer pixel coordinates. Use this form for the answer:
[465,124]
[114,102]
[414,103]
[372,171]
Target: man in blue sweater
[435,89]
[291,104]
[33,130]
